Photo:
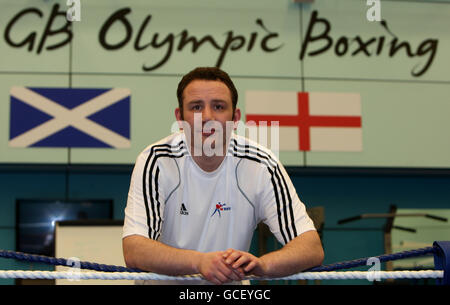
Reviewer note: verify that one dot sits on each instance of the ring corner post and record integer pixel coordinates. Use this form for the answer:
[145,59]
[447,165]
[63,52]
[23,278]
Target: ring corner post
[442,260]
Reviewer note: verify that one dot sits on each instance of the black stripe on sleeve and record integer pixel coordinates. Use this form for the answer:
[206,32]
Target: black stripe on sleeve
[144,190]
[289,197]
[282,185]
[285,203]
[155,203]
[148,193]
[157,226]
[278,206]
[262,157]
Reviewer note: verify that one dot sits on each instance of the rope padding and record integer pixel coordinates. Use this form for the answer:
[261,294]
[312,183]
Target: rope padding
[112,268]
[324,275]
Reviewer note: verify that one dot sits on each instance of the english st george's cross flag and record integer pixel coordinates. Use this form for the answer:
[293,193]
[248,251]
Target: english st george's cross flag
[308,121]
[69,117]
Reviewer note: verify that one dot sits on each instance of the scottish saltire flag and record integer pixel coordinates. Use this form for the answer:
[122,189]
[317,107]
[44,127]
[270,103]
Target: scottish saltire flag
[308,121]
[67,117]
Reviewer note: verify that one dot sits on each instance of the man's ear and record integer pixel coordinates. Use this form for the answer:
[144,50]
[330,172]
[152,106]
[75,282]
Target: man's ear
[237,115]
[178,114]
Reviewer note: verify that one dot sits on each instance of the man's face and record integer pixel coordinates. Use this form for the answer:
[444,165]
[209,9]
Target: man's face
[207,107]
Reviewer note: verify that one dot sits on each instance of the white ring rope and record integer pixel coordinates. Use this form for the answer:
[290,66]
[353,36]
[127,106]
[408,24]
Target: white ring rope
[330,275]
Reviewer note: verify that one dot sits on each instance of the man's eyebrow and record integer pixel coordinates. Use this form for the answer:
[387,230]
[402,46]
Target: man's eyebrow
[201,101]
[195,102]
[218,101]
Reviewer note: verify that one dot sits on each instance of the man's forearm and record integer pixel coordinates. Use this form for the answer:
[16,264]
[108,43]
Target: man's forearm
[150,255]
[303,252]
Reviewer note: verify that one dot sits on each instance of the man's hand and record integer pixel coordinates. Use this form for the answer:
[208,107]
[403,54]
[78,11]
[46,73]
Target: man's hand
[213,268]
[247,263]
[303,252]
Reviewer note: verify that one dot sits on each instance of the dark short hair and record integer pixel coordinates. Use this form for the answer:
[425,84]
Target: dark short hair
[207,73]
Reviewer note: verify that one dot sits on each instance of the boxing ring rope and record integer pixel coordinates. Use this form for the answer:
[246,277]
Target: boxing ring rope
[323,275]
[440,250]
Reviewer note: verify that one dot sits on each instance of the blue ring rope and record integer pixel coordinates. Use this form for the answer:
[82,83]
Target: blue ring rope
[383,258]
[111,268]
[63,262]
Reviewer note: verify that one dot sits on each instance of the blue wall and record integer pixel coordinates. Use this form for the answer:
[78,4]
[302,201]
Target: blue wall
[343,193]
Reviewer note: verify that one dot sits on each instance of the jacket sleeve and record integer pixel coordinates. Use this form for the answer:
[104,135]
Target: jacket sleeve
[280,206]
[144,210]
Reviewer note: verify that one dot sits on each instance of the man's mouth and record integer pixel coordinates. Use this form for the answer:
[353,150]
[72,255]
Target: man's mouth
[207,134]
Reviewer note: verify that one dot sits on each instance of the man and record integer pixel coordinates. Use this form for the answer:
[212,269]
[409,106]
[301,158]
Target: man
[191,211]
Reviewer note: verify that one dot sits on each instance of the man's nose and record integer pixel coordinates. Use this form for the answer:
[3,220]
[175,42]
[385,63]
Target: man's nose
[207,114]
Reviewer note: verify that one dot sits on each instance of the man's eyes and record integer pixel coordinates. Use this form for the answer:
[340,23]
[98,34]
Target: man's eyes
[215,107]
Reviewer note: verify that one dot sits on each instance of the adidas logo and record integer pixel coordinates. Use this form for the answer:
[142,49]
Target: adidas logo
[183,210]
